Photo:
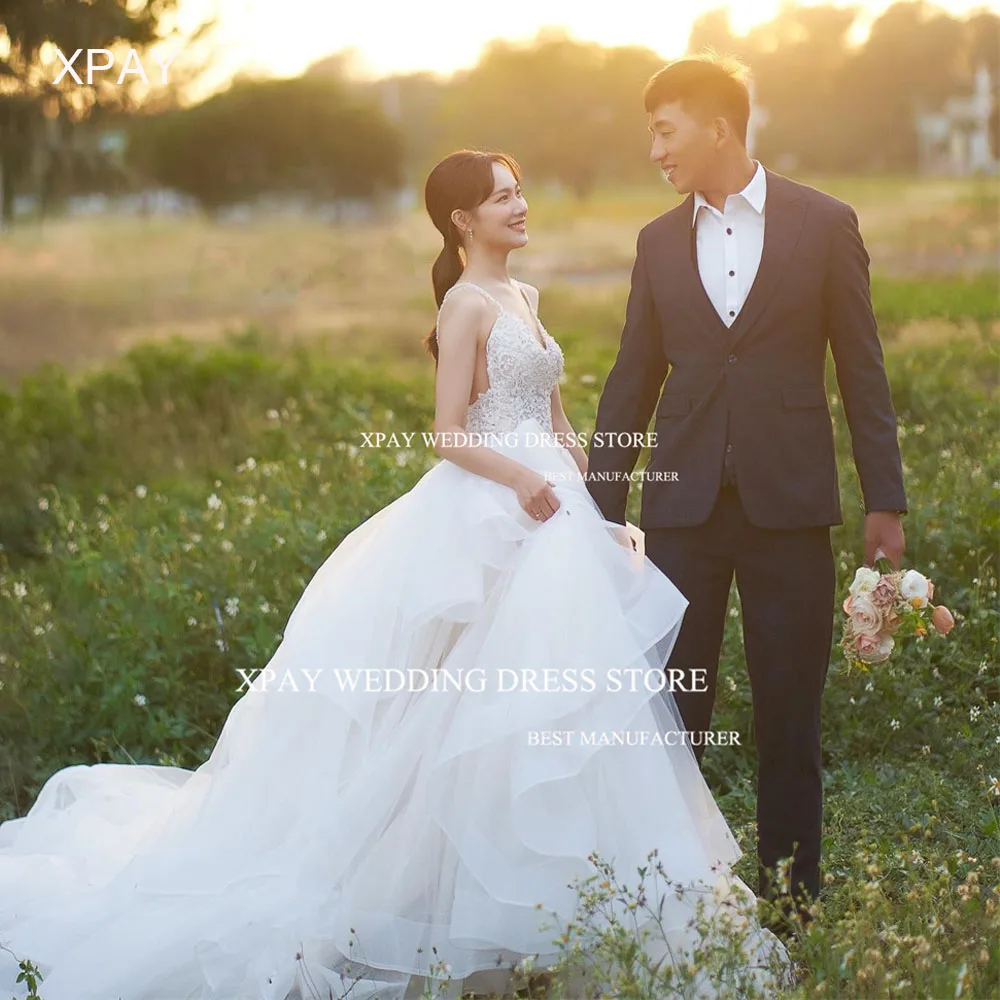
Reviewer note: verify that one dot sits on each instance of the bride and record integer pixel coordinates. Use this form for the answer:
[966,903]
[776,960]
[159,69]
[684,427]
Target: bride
[399,835]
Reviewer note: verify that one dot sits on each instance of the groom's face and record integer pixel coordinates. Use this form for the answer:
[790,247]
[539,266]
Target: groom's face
[684,147]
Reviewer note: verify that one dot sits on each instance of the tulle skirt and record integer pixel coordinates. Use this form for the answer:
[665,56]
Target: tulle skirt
[390,802]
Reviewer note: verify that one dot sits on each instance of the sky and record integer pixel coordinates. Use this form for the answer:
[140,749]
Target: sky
[266,36]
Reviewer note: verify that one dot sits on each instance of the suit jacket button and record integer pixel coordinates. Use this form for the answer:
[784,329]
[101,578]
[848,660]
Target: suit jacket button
[729,447]
[732,359]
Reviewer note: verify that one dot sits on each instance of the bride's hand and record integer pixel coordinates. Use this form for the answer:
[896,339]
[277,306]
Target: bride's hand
[624,539]
[536,496]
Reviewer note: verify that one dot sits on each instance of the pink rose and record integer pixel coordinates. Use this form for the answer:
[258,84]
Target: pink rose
[874,648]
[942,620]
[884,594]
[865,616]
[930,589]
[865,644]
[847,604]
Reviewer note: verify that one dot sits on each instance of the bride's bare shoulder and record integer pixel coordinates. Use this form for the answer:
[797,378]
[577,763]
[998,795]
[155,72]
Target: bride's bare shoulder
[464,314]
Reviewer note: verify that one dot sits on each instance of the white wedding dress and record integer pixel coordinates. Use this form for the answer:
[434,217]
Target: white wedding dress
[335,835]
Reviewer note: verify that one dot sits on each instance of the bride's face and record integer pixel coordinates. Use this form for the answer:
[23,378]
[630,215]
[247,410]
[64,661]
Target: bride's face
[500,221]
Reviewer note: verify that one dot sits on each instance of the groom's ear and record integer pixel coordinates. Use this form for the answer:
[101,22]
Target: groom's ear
[721,129]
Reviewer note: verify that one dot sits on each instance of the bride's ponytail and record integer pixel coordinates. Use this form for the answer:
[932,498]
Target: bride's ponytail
[462,180]
[446,271]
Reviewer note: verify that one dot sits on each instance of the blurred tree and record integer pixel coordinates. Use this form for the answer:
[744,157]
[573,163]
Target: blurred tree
[912,57]
[311,134]
[797,61]
[838,106]
[30,32]
[570,112]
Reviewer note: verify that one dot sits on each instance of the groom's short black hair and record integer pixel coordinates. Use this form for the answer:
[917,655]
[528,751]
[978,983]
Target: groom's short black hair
[707,85]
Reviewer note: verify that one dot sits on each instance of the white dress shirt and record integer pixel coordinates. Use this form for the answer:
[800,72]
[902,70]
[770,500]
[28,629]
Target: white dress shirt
[729,244]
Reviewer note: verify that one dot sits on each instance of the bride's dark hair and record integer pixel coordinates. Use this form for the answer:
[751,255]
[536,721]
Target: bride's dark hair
[463,180]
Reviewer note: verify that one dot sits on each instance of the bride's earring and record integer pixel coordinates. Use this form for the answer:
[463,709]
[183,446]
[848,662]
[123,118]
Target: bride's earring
[470,235]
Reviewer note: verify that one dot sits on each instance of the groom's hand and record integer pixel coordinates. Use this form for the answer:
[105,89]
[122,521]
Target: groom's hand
[884,531]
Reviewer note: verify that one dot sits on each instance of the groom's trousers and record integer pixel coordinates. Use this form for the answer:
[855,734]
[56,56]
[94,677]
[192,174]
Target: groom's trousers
[786,583]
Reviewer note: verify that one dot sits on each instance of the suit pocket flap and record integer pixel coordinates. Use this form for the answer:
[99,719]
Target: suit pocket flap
[803,395]
[673,405]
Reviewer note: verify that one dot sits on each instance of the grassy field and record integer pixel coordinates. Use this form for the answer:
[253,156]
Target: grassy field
[131,598]
[82,291]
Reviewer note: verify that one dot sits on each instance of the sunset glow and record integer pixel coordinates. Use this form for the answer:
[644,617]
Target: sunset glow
[283,37]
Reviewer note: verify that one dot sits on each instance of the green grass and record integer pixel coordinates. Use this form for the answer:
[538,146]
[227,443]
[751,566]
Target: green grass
[145,561]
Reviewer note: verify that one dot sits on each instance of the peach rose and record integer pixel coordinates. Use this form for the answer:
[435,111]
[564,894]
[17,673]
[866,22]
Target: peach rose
[865,616]
[892,622]
[942,620]
[847,604]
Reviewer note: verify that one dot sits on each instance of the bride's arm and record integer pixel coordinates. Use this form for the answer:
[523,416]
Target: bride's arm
[461,320]
[565,433]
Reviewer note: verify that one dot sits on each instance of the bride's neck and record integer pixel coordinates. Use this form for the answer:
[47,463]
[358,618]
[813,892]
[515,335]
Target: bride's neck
[487,268]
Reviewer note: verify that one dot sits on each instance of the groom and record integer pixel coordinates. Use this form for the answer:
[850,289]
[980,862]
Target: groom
[734,296]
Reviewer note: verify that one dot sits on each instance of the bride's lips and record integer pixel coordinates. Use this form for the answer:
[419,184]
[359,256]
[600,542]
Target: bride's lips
[519,226]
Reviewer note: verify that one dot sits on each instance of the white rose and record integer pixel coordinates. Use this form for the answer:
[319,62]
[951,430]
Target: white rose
[915,588]
[864,581]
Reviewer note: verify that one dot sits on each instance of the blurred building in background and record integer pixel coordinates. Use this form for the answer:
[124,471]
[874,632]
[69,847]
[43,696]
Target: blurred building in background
[956,139]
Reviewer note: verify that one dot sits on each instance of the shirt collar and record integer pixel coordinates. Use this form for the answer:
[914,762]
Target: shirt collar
[753,193]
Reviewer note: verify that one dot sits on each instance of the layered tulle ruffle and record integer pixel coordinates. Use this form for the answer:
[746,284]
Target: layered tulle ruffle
[336,834]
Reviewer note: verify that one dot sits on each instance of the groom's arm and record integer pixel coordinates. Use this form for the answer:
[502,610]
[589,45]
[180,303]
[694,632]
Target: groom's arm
[630,393]
[857,353]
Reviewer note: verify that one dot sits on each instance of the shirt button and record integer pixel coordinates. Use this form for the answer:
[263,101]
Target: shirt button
[732,312]
[732,274]
[732,359]
[729,232]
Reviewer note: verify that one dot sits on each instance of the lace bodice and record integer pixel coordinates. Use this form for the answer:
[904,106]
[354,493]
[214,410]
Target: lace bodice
[522,373]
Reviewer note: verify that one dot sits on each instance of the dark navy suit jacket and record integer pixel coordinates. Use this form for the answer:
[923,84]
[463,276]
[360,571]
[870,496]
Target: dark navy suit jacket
[750,398]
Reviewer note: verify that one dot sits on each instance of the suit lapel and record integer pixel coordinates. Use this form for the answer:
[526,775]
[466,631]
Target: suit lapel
[679,253]
[784,215]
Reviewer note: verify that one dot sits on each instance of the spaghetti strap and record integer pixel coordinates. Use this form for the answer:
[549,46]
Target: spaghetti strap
[469,284]
[524,295]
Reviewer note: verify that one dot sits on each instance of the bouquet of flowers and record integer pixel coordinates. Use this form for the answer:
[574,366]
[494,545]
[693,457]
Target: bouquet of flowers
[884,606]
